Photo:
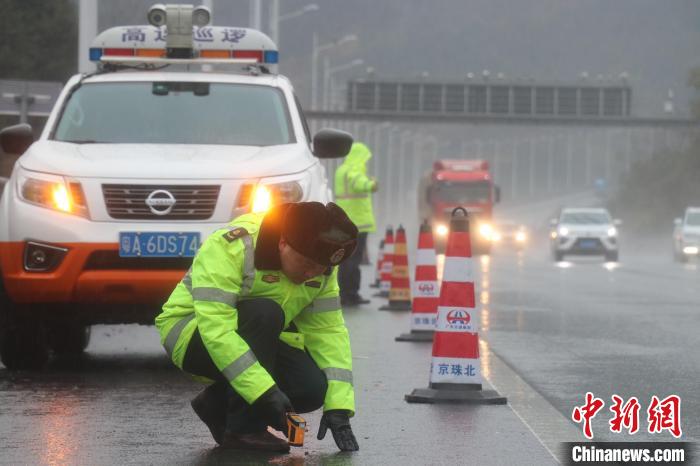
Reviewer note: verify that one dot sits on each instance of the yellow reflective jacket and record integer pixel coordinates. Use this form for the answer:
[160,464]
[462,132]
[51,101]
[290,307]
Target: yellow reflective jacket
[237,263]
[353,188]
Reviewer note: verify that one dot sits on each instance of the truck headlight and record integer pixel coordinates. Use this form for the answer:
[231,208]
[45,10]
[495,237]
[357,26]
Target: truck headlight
[563,231]
[261,197]
[612,231]
[53,192]
[485,230]
[441,229]
[520,237]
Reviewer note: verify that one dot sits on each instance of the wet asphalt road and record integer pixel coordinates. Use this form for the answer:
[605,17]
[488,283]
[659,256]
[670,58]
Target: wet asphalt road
[123,403]
[565,328]
[631,329]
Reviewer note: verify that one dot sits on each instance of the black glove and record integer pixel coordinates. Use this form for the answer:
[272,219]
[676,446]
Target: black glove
[272,407]
[338,421]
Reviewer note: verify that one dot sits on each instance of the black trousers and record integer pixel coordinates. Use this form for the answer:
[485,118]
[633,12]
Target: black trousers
[260,323]
[349,277]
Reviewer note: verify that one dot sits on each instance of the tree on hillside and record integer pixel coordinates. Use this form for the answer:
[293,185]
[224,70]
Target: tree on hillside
[658,190]
[38,39]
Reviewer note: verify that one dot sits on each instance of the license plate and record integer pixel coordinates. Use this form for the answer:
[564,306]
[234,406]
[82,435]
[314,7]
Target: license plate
[158,244]
[589,244]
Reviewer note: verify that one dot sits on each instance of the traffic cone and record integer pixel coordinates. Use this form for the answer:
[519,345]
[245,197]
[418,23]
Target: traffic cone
[455,370]
[400,292]
[385,282]
[425,289]
[378,270]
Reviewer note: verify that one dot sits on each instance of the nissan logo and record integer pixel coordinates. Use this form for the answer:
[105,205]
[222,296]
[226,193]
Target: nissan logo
[161,202]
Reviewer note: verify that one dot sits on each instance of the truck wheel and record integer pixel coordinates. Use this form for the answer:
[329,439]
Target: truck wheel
[22,336]
[612,256]
[558,256]
[69,338]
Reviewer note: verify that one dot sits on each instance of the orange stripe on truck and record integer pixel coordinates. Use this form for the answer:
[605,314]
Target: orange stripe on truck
[69,283]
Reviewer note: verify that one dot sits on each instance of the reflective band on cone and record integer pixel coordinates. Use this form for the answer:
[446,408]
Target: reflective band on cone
[400,291]
[387,264]
[426,289]
[378,271]
[455,369]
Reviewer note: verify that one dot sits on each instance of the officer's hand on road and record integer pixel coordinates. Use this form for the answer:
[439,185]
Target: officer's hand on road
[338,422]
[272,407]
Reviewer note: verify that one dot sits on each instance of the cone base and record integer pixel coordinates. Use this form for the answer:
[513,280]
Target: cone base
[469,394]
[381,294]
[416,335]
[397,306]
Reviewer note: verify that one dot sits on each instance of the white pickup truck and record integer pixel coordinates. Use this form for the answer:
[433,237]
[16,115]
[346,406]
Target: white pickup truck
[137,164]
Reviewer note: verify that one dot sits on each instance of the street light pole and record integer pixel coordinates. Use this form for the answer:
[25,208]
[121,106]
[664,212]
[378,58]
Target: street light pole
[87,31]
[276,18]
[315,51]
[328,71]
[255,14]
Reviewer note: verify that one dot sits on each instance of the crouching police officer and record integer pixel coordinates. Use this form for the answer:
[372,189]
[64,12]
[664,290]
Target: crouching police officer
[258,314]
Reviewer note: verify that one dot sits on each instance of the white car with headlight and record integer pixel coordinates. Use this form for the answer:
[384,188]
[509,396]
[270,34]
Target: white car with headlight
[686,235]
[585,231]
[136,165]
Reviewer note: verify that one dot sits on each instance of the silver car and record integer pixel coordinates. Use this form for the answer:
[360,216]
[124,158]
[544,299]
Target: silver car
[585,231]
[686,235]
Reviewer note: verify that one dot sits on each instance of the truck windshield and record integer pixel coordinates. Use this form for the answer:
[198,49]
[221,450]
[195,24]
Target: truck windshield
[175,113]
[585,218]
[693,219]
[461,192]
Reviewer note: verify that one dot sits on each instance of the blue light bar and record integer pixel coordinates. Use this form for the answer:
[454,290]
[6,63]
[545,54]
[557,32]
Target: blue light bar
[95,54]
[271,56]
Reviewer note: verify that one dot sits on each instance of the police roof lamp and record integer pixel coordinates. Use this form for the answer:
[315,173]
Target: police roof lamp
[179,20]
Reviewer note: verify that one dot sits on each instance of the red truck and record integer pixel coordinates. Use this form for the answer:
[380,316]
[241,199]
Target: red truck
[459,183]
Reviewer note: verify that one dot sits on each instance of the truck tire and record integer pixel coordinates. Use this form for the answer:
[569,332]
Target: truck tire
[558,256]
[23,344]
[69,338]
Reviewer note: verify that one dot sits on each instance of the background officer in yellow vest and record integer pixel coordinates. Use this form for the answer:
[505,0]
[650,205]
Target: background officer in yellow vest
[259,314]
[353,192]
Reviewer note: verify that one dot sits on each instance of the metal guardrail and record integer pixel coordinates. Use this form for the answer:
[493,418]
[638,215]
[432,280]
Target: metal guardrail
[539,120]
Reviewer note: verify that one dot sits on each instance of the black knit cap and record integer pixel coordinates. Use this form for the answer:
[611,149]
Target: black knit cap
[322,233]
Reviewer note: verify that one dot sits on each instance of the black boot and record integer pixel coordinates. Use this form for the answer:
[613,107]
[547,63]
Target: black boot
[210,405]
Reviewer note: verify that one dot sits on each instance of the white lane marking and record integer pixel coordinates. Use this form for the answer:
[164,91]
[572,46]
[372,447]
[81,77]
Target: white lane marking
[547,424]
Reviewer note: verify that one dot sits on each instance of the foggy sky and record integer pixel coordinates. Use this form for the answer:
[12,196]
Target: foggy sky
[655,42]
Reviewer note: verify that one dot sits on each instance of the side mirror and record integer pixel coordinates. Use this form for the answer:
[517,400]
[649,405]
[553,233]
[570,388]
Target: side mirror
[16,139]
[617,222]
[332,144]
[497,194]
[677,222]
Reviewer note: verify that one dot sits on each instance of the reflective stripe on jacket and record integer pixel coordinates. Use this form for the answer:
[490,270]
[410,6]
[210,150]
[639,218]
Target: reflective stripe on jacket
[223,273]
[353,188]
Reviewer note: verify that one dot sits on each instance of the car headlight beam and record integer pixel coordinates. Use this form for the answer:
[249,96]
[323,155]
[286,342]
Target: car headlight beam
[261,197]
[52,192]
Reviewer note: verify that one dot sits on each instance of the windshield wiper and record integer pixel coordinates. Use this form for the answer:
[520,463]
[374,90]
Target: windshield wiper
[82,141]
